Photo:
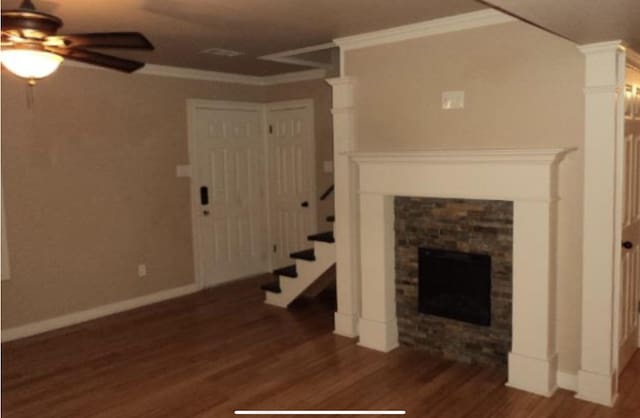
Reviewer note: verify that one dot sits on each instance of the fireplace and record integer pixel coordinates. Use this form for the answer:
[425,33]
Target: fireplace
[453,277]
[455,285]
[377,293]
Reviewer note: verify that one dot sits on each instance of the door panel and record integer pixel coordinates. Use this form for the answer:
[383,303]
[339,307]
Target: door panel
[292,179]
[630,234]
[229,161]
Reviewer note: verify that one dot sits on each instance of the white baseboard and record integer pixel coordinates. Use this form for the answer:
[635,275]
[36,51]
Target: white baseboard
[568,381]
[531,374]
[105,310]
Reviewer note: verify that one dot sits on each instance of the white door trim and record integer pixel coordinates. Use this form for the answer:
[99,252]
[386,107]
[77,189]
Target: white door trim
[196,232]
[293,104]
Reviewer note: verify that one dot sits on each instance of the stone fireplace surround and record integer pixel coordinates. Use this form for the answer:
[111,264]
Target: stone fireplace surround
[528,178]
[467,226]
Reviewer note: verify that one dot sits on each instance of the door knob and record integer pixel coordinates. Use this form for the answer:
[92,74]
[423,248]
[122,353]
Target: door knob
[304,204]
[628,245]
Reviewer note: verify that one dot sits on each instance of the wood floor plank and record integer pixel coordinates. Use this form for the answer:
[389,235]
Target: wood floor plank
[207,354]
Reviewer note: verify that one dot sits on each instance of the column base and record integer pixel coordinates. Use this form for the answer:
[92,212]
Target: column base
[533,374]
[380,336]
[598,388]
[345,325]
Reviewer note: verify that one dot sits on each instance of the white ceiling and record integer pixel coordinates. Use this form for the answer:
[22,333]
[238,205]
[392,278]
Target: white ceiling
[581,21]
[180,29]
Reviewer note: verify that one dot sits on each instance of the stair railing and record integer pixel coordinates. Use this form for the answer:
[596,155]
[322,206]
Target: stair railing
[327,192]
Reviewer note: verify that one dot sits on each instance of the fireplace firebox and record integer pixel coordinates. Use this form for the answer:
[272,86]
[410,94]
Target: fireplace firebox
[455,285]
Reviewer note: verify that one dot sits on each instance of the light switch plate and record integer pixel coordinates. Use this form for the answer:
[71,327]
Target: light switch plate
[452,100]
[142,270]
[183,170]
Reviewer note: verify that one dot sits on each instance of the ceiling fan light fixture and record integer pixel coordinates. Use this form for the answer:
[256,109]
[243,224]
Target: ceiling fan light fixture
[30,64]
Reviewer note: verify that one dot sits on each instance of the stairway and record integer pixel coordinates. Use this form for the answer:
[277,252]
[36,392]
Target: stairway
[291,281]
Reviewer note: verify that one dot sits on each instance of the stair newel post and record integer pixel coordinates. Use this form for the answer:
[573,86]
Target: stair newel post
[346,229]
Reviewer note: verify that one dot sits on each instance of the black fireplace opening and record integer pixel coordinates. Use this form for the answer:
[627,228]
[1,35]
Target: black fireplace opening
[455,285]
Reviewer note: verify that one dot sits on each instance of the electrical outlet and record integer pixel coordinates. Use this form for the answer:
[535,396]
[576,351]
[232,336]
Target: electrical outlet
[142,270]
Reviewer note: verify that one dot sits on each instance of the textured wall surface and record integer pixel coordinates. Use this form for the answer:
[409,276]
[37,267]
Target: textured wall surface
[474,226]
[90,186]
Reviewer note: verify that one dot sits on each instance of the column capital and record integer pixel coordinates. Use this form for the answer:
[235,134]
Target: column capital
[604,64]
[601,47]
[343,92]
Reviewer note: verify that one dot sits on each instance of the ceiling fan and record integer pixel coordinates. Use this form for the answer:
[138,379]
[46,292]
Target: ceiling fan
[31,49]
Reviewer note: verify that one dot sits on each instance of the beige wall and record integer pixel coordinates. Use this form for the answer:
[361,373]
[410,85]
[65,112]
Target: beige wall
[320,92]
[90,188]
[523,89]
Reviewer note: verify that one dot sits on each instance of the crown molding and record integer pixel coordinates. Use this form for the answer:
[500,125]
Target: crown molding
[422,29]
[633,57]
[306,75]
[286,57]
[200,75]
[215,76]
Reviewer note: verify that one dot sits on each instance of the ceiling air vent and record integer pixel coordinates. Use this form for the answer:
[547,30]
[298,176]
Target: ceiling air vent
[221,52]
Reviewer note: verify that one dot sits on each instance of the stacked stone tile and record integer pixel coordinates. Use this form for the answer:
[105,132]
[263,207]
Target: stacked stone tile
[473,226]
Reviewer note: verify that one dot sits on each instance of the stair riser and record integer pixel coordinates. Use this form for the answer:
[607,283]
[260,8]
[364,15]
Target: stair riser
[308,272]
[275,299]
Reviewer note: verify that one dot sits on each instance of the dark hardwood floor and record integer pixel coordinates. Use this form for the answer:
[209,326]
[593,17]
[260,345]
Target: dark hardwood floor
[222,349]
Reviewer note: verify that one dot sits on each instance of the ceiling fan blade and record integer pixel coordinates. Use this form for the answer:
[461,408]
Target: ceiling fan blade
[95,58]
[125,40]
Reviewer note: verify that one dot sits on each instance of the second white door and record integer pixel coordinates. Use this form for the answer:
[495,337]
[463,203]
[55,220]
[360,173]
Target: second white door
[292,190]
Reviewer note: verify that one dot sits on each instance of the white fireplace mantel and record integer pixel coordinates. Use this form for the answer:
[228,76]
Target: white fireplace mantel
[528,177]
[448,171]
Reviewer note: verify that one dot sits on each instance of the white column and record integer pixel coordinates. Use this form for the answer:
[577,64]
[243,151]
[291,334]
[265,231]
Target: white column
[533,358]
[346,212]
[378,325]
[597,378]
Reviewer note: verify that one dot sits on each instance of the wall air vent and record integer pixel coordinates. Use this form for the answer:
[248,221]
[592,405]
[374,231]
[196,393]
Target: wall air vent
[221,52]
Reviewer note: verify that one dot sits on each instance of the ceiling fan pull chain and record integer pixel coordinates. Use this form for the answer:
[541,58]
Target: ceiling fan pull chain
[29,94]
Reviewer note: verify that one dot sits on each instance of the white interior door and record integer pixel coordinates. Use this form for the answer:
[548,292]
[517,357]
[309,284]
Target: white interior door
[228,190]
[292,185]
[629,271]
